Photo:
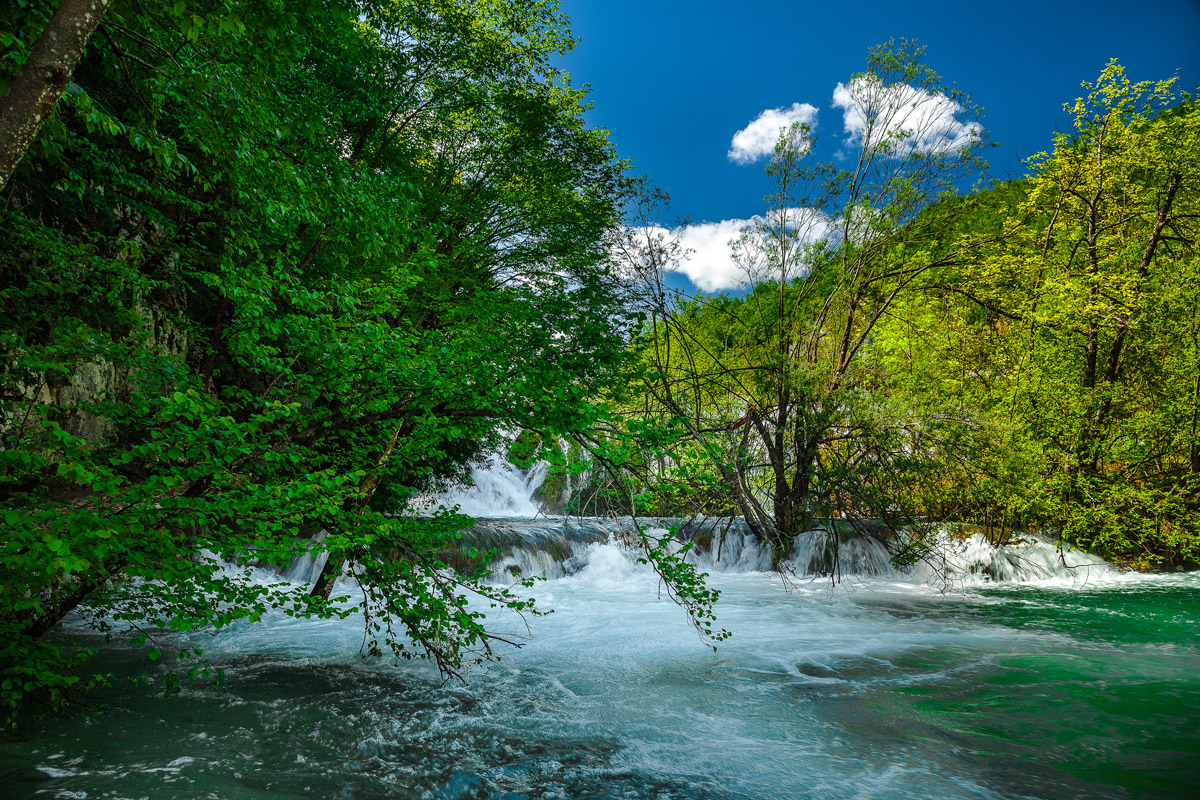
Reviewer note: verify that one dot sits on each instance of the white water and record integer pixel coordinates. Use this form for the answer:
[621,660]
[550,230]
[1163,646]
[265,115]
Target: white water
[1028,560]
[881,686]
[821,693]
[615,665]
[501,491]
[551,547]
[498,490]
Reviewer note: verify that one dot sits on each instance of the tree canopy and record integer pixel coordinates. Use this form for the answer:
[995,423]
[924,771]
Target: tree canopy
[274,268]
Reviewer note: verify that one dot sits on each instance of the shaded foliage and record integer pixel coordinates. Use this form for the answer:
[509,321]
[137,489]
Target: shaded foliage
[275,268]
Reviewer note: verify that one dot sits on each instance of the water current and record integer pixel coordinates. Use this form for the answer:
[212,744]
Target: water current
[1032,674]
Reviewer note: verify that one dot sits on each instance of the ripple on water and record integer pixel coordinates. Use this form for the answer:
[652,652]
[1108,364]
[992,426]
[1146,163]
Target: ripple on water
[874,689]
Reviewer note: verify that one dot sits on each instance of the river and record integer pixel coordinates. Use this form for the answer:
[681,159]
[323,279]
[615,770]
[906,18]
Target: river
[1077,684]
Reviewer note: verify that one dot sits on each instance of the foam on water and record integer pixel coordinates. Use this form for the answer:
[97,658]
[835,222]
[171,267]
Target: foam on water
[866,688]
[963,561]
[498,490]
[1027,680]
[555,546]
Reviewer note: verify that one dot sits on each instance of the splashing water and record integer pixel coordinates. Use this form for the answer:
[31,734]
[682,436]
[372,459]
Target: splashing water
[1025,560]
[498,490]
[1027,682]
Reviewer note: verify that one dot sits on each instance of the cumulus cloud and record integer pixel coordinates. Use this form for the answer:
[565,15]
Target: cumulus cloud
[757,140]
[919,121]
[707,254]
[708,260]
[701,251]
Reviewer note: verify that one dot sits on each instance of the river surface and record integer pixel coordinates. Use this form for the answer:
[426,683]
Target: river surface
[1071,686]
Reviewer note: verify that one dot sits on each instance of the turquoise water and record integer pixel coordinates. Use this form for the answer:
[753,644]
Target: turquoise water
[879,688]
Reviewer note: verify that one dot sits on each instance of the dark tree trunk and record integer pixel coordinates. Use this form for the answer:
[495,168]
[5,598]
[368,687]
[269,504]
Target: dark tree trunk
[36,89]
[36,627]
[323,587]
[337,561]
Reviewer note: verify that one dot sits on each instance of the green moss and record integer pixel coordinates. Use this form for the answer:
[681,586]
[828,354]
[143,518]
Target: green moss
[523,451]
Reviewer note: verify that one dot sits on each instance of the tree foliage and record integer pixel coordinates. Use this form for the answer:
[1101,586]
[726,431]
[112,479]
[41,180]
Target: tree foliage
[274,268]
[1093,293]
[777,385]
[1021,358]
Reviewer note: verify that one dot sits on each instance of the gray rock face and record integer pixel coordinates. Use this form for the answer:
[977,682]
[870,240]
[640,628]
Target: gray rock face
[86,385]
[75,389]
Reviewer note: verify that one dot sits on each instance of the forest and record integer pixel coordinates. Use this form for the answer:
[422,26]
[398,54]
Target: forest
[269,269]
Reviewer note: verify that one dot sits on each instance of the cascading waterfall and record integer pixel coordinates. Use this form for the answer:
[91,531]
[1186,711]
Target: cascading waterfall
[498,489]
[1022,560]
[556,546]
[529,542]
[306,567]
[553,547]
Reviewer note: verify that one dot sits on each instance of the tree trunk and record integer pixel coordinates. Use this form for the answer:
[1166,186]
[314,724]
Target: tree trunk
[332,570]
[323,587]
[36,89]
[36,627]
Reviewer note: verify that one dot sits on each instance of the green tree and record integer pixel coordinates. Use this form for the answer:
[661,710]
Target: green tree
[1097,281]
[777,385]
[272,270]
[31,94]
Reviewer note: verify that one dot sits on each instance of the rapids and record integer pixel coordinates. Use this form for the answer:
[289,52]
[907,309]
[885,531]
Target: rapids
[1035,674]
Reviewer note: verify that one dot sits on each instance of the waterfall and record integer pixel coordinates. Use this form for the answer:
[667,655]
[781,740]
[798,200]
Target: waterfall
[1022,560]
[306,567]
[499,490]
[557,546]
[554,547]
[527,542]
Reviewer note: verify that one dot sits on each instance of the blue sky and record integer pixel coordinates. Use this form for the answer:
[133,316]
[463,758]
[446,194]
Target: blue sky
[674,81]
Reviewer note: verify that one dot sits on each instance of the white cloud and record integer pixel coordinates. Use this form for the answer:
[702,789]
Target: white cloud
[707,258]
[757,140]
[701,251]
[920,121]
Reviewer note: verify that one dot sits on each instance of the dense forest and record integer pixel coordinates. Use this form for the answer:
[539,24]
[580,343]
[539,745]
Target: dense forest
[271,268]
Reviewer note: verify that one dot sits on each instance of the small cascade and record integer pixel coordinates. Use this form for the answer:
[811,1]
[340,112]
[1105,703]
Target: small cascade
[499,490]
[729,546]
[1022,560]
[820,552]
[725,545]
[555,547]
[306,567]
[543,548]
